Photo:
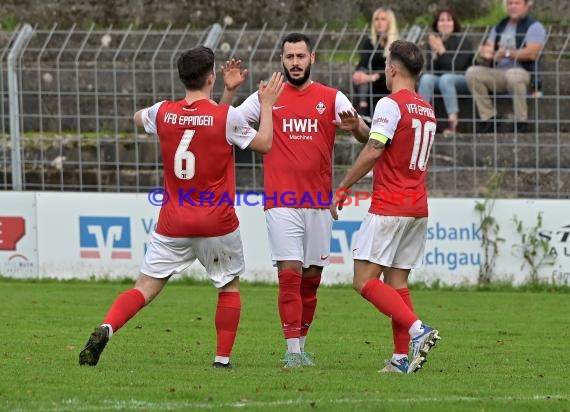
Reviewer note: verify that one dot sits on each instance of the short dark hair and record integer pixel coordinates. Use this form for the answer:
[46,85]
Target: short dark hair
[456,24]
[194,67]
[409,55]
[296,38]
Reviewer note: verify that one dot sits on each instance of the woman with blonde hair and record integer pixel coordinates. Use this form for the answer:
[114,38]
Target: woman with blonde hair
[368,78]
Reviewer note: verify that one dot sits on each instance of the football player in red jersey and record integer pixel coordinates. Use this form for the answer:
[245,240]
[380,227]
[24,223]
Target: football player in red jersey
[298,182]
[392,237]
[196,140]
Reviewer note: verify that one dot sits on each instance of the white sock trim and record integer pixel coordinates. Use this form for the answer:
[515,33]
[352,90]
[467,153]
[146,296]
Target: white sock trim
[109,328]
[416,329]
[222,359]
[293,345]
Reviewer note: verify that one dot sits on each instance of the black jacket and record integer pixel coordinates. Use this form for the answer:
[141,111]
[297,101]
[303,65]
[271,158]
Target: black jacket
[372,59]
[458,56]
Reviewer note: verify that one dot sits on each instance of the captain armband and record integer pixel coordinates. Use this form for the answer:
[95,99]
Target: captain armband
[378,136]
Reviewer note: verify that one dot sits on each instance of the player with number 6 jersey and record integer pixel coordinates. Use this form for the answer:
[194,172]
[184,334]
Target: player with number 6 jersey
[391,239]
[196,142]
[197,220]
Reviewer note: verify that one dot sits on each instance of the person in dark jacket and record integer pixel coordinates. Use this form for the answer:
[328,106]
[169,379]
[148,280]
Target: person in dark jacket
[368,78]
[450,54]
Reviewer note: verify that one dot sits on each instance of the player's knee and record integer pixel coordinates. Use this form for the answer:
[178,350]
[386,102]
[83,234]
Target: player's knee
[357,285]
[310,284]
[149,287]
[289,276]
[293,265]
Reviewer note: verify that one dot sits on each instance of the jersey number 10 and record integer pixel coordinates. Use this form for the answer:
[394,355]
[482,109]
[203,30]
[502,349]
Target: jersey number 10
[423,139]
[185,161]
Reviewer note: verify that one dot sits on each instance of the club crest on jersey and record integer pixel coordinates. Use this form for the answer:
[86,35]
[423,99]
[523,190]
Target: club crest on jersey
[321,107]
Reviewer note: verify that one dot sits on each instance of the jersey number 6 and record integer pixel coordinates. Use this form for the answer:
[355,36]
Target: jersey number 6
[185,161]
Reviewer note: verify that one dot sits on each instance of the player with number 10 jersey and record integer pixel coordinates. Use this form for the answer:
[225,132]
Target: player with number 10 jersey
[399,186]
[391,240]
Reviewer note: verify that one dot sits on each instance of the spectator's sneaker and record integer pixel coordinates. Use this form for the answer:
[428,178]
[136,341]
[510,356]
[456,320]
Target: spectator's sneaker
[486,126]
[293,360]
[220,365]
[421,345]
[396,366]
[94,346]
[308,358]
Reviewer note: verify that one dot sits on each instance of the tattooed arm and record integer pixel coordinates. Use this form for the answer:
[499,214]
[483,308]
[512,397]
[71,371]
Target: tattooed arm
[363,164]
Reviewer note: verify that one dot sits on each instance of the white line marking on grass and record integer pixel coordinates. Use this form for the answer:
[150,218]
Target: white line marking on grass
[134,404]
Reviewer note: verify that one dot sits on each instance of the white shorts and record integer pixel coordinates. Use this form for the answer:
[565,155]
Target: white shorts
[222,256]
[303,235]
[391,241]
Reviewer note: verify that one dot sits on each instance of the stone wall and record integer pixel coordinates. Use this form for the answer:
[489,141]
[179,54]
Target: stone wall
[201,13]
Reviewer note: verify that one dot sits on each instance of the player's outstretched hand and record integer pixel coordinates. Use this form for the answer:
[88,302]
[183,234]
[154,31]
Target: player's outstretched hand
[349,120]
[233,75]
[270,92]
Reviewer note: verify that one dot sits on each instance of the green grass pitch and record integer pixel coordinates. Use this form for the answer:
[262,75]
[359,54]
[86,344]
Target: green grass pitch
[500,350]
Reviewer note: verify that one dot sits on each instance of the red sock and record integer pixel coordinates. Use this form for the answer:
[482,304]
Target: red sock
[290,304]
[400,333]
[227,320]
[309,286]
[389,302]
[124,307]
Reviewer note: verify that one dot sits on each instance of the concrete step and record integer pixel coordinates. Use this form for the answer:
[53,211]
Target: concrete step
[535,150]
[532,163]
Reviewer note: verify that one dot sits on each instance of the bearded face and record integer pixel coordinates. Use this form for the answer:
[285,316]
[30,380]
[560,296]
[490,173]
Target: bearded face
[297,60]
[298,76]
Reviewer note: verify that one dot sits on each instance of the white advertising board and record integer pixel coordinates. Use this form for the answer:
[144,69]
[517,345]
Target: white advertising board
[555,229]
[454,253]
[80,235]
[18,235]
[453,246]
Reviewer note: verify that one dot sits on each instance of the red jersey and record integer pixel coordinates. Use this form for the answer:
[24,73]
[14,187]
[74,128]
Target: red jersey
[197,154]
[399,175]
[297,171]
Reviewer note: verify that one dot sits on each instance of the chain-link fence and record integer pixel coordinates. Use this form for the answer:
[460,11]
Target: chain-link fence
[77,91]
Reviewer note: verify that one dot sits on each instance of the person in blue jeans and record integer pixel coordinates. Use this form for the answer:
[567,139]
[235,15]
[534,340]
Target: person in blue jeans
[451,53]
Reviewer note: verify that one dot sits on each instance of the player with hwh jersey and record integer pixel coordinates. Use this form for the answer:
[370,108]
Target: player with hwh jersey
[196,140]
[391,240]
[305,118]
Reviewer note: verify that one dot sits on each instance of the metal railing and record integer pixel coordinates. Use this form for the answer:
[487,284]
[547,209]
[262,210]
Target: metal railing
[78,89]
